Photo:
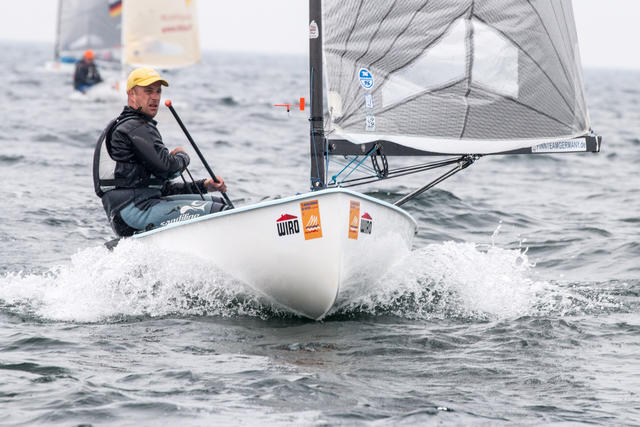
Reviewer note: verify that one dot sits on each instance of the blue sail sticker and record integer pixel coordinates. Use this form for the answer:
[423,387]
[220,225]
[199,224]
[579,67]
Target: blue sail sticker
[366,78]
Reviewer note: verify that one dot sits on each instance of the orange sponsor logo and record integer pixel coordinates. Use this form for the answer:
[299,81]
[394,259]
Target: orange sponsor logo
[354,214]
[311,220]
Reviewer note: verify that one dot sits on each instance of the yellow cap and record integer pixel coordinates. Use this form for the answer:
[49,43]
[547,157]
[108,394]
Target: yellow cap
[144,77]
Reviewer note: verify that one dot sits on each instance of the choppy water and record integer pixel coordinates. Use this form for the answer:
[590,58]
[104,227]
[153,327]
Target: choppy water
[518,305]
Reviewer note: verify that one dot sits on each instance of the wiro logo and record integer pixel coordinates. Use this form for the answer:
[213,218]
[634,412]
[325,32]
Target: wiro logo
[287,224]
[366,223]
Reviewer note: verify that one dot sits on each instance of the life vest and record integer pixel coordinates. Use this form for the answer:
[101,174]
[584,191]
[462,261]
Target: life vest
[104,166]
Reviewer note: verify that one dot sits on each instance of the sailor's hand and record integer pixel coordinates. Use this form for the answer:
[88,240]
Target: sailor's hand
[177,150]
[211,185]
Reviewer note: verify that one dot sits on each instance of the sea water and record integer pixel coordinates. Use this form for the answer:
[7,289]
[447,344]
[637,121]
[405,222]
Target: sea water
[519,303]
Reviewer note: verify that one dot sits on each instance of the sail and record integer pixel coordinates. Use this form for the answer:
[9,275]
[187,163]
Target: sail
[453,77]
[160,33]
[88,24]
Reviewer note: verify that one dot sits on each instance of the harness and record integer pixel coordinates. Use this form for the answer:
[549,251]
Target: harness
[104,165]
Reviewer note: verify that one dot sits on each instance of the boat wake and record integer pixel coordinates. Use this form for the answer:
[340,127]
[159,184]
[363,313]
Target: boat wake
[108,91]
[470,282]
[130,282]
[447,280]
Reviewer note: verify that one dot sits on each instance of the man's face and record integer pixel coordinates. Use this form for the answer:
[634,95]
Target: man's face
[146,97]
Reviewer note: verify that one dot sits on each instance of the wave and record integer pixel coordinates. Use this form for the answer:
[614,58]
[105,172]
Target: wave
[448,280]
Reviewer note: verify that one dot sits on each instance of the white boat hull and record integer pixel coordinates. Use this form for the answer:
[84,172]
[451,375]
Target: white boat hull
[299,251]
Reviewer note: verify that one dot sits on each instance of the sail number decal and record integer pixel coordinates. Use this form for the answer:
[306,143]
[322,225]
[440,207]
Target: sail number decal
[354,214]
[311,220]
[366,78]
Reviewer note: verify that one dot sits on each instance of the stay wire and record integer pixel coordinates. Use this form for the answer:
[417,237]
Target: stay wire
[398,172]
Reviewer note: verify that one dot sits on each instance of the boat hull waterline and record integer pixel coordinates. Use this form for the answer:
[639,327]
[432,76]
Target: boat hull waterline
[302,251]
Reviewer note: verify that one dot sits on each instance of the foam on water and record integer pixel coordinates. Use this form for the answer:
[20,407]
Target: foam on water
[458,280]
[132,280]
[108,91]
[471,281]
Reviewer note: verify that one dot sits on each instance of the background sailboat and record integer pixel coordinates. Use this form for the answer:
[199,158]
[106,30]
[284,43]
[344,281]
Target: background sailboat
[125,34]
[160,33]
[87,24]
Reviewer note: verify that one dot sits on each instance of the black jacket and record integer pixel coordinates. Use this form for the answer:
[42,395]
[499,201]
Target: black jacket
[85,74]
[144,166]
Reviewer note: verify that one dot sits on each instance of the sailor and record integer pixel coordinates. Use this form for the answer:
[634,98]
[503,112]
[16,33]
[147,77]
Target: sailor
[133,169]
[86,74]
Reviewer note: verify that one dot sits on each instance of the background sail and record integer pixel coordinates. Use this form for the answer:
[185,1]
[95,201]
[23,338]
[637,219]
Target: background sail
[88,24]
[453,77]
[160,33]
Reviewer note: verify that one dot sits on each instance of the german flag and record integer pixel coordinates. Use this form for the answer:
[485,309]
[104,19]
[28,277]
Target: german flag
[115,8]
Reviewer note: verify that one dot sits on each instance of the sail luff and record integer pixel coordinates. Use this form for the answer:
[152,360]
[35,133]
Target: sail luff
[317,140]
[56,48]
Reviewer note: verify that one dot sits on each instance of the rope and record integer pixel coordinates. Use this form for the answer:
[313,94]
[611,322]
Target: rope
[333,178]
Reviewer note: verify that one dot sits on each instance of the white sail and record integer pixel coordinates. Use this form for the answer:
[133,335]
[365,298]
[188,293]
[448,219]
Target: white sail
[88,24]
[160,33]
[453,77]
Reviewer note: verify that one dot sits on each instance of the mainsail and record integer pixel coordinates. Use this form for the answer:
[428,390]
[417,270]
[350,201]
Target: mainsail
[88,24]
[454,77]
[161,33]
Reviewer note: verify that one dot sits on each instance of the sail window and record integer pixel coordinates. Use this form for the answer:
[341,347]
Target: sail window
[495,61]
[495,64]
[442,64]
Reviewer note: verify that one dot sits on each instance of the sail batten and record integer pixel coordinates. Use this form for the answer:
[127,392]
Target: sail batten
[464,73]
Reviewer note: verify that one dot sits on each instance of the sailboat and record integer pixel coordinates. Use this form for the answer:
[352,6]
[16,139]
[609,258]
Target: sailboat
[87,24]
[125,34]
[410,78]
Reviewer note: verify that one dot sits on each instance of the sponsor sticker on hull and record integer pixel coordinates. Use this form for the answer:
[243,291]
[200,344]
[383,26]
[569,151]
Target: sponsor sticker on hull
[287,225]
[311,220]
[354,215]
[366,224]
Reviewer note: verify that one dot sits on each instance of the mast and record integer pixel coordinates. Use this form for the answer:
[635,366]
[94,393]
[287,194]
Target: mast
[317,140]
[56,47]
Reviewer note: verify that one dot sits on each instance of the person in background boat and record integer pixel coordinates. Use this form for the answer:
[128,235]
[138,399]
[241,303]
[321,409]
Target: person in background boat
[86,74]
[138,192]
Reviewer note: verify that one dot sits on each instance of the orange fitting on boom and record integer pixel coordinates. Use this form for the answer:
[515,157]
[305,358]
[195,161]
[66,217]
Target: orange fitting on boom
[300,105]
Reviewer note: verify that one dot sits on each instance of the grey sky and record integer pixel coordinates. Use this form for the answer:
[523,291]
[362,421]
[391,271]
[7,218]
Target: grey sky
[608,29]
